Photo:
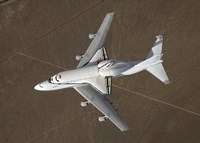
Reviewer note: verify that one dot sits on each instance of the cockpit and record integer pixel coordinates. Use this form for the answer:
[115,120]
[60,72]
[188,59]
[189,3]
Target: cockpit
[50,80]
[55,79]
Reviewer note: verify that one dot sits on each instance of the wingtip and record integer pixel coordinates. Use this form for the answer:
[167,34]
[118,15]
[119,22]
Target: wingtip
[159,36]
[166,82]
[125,129]
[111,13]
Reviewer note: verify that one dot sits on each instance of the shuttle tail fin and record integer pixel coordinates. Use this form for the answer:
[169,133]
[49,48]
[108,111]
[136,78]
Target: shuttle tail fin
[157,47]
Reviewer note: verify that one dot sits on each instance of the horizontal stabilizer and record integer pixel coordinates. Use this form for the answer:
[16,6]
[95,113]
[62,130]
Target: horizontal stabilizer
[159,72]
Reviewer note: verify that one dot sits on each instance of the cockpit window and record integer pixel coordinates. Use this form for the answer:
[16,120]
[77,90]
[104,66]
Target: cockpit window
[50,80]
[56,78]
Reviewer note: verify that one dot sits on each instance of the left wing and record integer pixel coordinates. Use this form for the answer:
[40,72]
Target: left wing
[102,104]
[100,55]
[98,41]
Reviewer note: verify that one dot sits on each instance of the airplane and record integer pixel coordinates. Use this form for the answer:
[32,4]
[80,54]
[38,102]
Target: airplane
[92,78]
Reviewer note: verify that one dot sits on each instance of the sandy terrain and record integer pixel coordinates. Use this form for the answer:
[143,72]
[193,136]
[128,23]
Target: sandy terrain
[39,38]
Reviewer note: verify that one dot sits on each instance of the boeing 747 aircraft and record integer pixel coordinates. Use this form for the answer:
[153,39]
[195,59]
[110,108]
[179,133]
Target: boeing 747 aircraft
[93,75]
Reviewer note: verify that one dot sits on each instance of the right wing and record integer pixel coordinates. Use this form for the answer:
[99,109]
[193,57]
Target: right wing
[98,41]
[102,104]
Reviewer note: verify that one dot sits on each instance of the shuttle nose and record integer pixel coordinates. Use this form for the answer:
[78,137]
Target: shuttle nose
[43,86]
[37,87]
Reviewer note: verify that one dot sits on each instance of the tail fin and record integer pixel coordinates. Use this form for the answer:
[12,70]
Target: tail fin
[157,47]
[154,57]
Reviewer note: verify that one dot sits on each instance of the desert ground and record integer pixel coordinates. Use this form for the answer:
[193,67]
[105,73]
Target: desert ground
[39,38]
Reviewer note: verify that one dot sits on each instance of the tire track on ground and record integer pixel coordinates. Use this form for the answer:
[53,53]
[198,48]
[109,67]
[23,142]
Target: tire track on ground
[54,29]
[156,100]
[58,126]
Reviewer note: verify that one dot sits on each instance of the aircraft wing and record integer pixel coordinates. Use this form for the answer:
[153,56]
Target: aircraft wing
[98,41]
[102,104]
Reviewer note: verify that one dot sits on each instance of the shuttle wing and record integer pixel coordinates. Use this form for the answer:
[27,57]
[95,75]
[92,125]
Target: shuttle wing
[100,55]
[102,104]
[98,41]
[101,84]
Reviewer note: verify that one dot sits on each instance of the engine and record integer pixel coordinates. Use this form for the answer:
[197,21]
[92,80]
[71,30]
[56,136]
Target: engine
[78,57]
[91,36]
[84,104]
[102,118]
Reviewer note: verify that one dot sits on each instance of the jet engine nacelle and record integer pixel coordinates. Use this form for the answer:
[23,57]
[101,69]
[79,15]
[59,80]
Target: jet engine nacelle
[84,104]
[91,36]
[102,119]
[78,57]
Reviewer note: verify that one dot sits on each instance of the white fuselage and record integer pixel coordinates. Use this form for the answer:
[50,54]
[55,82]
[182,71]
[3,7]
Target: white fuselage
[79,76]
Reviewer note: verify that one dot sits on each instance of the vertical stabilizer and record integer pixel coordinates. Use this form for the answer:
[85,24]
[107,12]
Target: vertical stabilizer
[157,47]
